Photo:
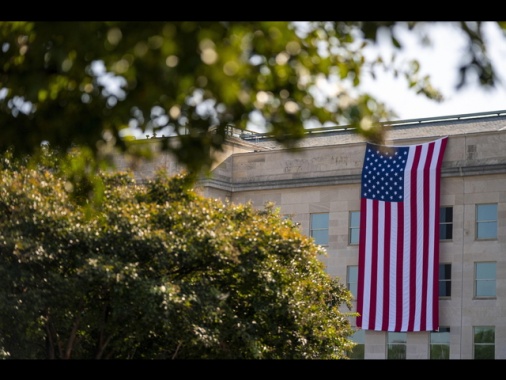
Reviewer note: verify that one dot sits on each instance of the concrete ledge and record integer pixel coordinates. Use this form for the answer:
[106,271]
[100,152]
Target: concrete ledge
[338,180]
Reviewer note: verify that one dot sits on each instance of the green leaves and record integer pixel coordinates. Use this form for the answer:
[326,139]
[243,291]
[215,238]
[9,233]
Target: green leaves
[157,271]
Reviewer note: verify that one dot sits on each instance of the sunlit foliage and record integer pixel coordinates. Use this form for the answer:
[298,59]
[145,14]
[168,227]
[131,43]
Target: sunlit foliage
[157,272]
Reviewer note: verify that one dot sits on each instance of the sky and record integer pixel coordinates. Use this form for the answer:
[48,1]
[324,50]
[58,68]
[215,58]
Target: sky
[441,62]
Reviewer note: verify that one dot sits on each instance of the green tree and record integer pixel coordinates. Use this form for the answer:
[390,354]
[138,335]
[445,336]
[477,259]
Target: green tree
[196,79]
[157,272]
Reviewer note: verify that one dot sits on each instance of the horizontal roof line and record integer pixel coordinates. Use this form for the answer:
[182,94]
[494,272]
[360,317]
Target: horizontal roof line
[247,135]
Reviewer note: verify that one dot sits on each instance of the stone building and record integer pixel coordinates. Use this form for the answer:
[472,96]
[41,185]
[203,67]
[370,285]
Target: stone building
[318,186]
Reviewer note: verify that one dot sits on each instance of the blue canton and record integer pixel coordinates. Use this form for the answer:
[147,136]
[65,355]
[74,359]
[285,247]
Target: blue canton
[383,173]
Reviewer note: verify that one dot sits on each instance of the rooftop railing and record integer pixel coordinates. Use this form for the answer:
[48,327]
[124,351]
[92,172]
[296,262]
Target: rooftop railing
[250,135]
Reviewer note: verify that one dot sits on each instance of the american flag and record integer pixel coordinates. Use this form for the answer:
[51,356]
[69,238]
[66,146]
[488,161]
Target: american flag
[398,262]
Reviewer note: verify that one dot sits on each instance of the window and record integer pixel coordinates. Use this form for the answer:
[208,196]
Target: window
[486,221]
[396,345]
[445,280]
[484,284]
[440,344]
[358,351]
[320,228]
[446,223]
[352,279]
[354,228]
[484,342]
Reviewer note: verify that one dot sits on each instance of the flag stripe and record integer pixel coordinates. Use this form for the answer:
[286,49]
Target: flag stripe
[398,254]
[386,266]
[412,177]
[399,238]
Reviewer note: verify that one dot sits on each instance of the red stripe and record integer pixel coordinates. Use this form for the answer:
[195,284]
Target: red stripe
[386,267]
[400,258]
[413,236]
[374,264]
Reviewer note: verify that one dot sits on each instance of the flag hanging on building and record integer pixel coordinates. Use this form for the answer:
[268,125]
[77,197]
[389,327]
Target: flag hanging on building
[398,262]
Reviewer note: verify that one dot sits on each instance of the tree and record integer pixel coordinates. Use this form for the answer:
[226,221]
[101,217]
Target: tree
[195,80]
[157,272]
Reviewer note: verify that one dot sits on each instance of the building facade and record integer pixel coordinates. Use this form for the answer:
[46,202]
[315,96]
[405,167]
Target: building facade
[318,186]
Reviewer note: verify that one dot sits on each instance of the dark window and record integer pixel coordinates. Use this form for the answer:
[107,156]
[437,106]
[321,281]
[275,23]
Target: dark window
[445,280]
[446,223]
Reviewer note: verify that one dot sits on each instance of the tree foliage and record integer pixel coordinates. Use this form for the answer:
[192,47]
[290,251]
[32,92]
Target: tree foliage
[157,272]
[195,79]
